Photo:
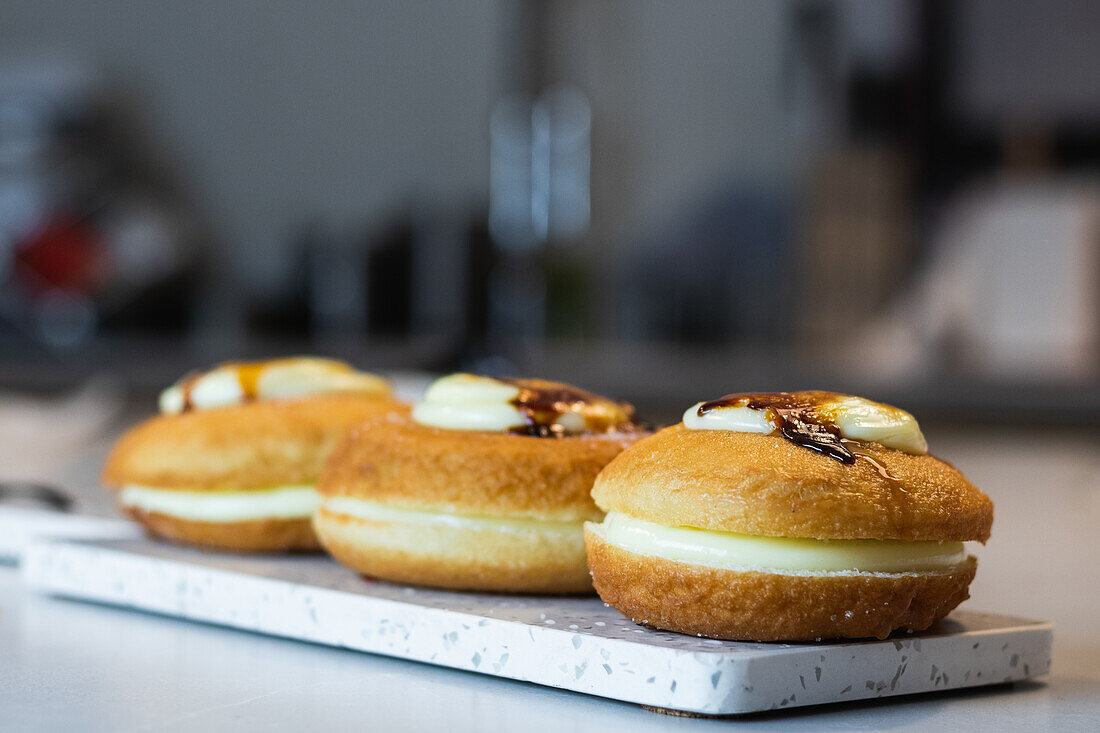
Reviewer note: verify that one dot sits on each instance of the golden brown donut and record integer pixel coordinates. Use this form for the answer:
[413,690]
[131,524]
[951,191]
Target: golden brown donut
[739,490]
[239,476]
[256,445]
[472,510]
[536,557]
[765,485]
[394,460]
[758,606]
[262,535]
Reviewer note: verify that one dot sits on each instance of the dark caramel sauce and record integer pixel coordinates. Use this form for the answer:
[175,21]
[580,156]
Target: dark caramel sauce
[543,404]
[875,464]
[798,416]
[187,386]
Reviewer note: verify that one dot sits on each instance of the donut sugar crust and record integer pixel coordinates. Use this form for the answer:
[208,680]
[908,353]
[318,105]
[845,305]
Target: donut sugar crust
[257,445]
[475,510]
[262,535]
[762,606]
[531,559]
[766,485]
[394,460]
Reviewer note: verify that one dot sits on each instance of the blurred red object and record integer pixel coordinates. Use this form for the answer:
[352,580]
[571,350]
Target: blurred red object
[65,253]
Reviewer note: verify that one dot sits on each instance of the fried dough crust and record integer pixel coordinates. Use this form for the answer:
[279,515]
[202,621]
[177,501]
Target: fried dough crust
[766,485]
[257,445]
[532,560]
[259,536]
[760,606]
[394,460]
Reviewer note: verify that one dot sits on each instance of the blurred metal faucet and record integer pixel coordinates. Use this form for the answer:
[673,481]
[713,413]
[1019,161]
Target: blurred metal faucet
[538,193]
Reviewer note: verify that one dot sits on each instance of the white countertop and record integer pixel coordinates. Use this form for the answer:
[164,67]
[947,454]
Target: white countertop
[73,666]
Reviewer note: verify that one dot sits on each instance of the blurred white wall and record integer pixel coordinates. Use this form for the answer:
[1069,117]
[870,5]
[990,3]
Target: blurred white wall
[276,110]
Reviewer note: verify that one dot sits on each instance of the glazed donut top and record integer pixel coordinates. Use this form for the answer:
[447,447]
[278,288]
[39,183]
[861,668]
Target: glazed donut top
[531,407]
[827,422]
[239,382]
[765,485]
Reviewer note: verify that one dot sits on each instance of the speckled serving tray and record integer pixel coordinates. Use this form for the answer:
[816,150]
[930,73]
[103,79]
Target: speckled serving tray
[572,643]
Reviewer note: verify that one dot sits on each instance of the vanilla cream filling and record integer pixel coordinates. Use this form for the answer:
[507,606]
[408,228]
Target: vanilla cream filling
[281,502]
[469,402]
[783,555]
[855,417]
[278,379]
[375,512]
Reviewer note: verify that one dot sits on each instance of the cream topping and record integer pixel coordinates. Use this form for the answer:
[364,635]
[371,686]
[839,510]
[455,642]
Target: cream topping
[524,406]
[280,502]
[784,555]
[469,402]
[235,383]
[768,413]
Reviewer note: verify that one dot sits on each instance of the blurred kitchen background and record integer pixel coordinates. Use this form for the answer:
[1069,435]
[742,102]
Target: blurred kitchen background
[663,201]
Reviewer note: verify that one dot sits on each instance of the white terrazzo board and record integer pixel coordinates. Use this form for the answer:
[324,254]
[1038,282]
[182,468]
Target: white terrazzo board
[571,643]
[21,528]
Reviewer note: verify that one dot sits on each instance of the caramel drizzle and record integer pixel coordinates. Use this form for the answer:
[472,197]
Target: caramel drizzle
[187,386]
[248,376]
[799,418]
[543,404]
[875,464]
